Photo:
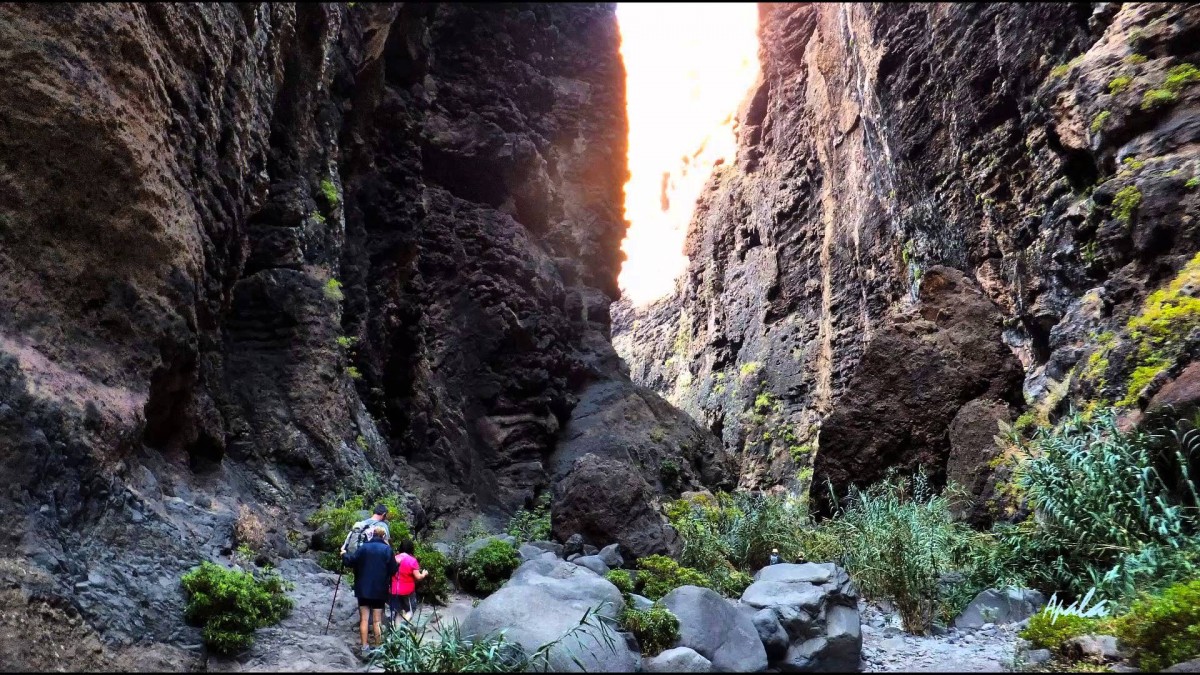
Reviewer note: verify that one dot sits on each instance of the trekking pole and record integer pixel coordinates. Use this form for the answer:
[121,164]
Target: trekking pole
[334,603]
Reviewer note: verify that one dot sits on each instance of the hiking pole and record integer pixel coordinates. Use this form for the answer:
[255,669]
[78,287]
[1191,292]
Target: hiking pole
[334,603]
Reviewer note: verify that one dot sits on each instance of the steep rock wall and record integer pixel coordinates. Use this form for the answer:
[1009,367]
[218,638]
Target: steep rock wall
[887,144]
[250,251]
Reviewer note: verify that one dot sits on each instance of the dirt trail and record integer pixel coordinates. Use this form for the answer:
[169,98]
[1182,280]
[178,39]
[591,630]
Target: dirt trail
[887,648]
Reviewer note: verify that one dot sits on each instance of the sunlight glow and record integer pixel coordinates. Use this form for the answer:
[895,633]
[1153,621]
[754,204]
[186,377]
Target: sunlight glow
[688,68]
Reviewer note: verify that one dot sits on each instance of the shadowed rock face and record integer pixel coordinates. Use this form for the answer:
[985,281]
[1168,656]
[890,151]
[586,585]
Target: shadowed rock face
[884,141]
[248,251]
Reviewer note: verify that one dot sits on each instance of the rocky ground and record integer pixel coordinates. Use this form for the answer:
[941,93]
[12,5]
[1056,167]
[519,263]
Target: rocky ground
[888,649]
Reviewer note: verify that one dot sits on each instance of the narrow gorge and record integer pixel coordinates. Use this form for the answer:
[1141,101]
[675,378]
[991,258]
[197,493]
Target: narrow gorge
[252,255]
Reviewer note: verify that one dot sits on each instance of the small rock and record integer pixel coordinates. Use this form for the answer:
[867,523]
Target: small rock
[987,626]
[1037,656]
[136,517]
[593,563]
[1097,648]
[1192,666]
[574,545]
[588,549]
[677,660]
[574,556]
[611,555]
[640,602]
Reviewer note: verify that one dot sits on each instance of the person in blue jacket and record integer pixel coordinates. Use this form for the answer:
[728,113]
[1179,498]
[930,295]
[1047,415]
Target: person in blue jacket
[374,566]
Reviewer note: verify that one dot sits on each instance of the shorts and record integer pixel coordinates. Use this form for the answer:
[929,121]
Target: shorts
[371,604]
[404,603]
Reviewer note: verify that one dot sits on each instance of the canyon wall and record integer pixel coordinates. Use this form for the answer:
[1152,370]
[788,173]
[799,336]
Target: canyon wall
[250,252]
[940,217]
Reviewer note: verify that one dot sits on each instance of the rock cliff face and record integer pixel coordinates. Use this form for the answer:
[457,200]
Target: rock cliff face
[249,251]
[927,200]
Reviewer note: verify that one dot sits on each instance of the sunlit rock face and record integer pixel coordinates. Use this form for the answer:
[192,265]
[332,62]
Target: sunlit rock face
[249,251]
[885,140]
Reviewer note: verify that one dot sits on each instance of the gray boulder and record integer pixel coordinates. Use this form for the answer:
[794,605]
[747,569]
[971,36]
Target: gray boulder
[714,628]
[1036,657]
[641,602]
[551,546]
[593,563]
[611,555]
[546,598]
[528,552]
[1192,666]
[997,606]
[588,549]
[480,543]
[807,616]
[677,660]
[770,631]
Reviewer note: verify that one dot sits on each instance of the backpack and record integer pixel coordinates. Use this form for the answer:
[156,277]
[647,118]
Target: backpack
[360,534]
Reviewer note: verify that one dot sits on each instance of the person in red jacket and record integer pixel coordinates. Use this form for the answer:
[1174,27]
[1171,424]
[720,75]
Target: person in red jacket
[404,584]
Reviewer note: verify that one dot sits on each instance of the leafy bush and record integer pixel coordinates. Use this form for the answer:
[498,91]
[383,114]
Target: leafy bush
[1163,630]
[621,579]
[353,504]
[486,570]
[1125,201]
[740,528]
[1046,631]
[230,605]
[1119,84]
[660,575]
[330,192]
[1104,517]
[532,525]
[656,628]
[444,649]
[333,290]
[436,586]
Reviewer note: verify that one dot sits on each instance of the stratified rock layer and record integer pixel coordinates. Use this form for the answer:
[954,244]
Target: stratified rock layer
[249,251]
[1046,152]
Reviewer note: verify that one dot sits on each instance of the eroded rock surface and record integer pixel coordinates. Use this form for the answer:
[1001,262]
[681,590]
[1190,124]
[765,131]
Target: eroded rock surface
[885,143]
[249,251]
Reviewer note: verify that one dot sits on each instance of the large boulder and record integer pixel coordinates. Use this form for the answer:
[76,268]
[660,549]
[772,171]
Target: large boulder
[973,451]
[546,598]
[677,660]
[714,628]
[606,500]
[815,607]
[920,367]
[1000,606]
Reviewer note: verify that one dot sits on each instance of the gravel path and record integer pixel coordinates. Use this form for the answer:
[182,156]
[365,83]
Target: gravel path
[886,648]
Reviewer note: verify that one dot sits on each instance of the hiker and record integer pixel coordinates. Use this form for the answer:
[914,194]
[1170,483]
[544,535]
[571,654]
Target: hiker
[360,531]
[374,568]
[774,559]
[404,584]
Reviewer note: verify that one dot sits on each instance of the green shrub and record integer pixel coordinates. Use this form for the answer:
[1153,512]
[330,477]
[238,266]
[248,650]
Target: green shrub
[486,570]
[1105,517]
[740,528]
[333,290]
[656,628]
[1192,183]
[1119,84]
[660,575]
[230,605]
[621,579]
[1048,632]
[729,582]
[1163,630]
[532,525]
[1125,201]
[436,586]
[355,502]
[668,473]
[1155,98]
[353,372]
[329,190]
